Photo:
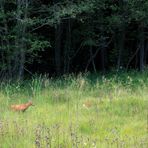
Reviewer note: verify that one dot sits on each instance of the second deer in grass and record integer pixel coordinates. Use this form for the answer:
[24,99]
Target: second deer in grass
[21,107]
[88,104]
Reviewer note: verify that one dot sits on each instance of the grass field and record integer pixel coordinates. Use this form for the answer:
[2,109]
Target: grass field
[116,115]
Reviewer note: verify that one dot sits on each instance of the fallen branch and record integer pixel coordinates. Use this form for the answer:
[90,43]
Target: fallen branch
[95,54]
[132,58]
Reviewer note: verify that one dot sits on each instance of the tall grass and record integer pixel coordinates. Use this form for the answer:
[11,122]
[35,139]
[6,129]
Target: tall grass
[117,117]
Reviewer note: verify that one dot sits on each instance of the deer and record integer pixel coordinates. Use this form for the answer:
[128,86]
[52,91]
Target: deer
[88,104]
[21,107]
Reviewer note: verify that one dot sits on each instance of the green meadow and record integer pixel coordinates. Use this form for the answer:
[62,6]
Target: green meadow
[117,116]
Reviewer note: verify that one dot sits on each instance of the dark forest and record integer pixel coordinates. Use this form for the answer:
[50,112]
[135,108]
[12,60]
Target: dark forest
[59,37]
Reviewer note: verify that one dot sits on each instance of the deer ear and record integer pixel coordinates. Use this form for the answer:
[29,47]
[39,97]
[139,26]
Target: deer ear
[30,101]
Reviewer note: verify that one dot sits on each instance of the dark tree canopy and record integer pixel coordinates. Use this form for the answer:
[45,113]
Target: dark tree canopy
[64,36]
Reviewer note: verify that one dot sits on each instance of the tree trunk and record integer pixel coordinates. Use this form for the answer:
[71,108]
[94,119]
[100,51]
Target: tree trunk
[146,54]
[67,47]
[58,34]
[121,39]
[91,56]
[6,44]
[141,52]
[103,59]
[121,36]
[23,49]
[22,6]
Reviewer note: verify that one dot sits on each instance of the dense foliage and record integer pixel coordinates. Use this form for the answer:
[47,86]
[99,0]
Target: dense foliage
[59,37]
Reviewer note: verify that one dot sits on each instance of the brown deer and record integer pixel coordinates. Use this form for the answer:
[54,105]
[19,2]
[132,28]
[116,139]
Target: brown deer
[21,107]
[88,104]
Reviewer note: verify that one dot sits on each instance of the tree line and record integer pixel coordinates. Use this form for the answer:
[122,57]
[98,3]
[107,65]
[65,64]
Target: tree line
[64,36]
